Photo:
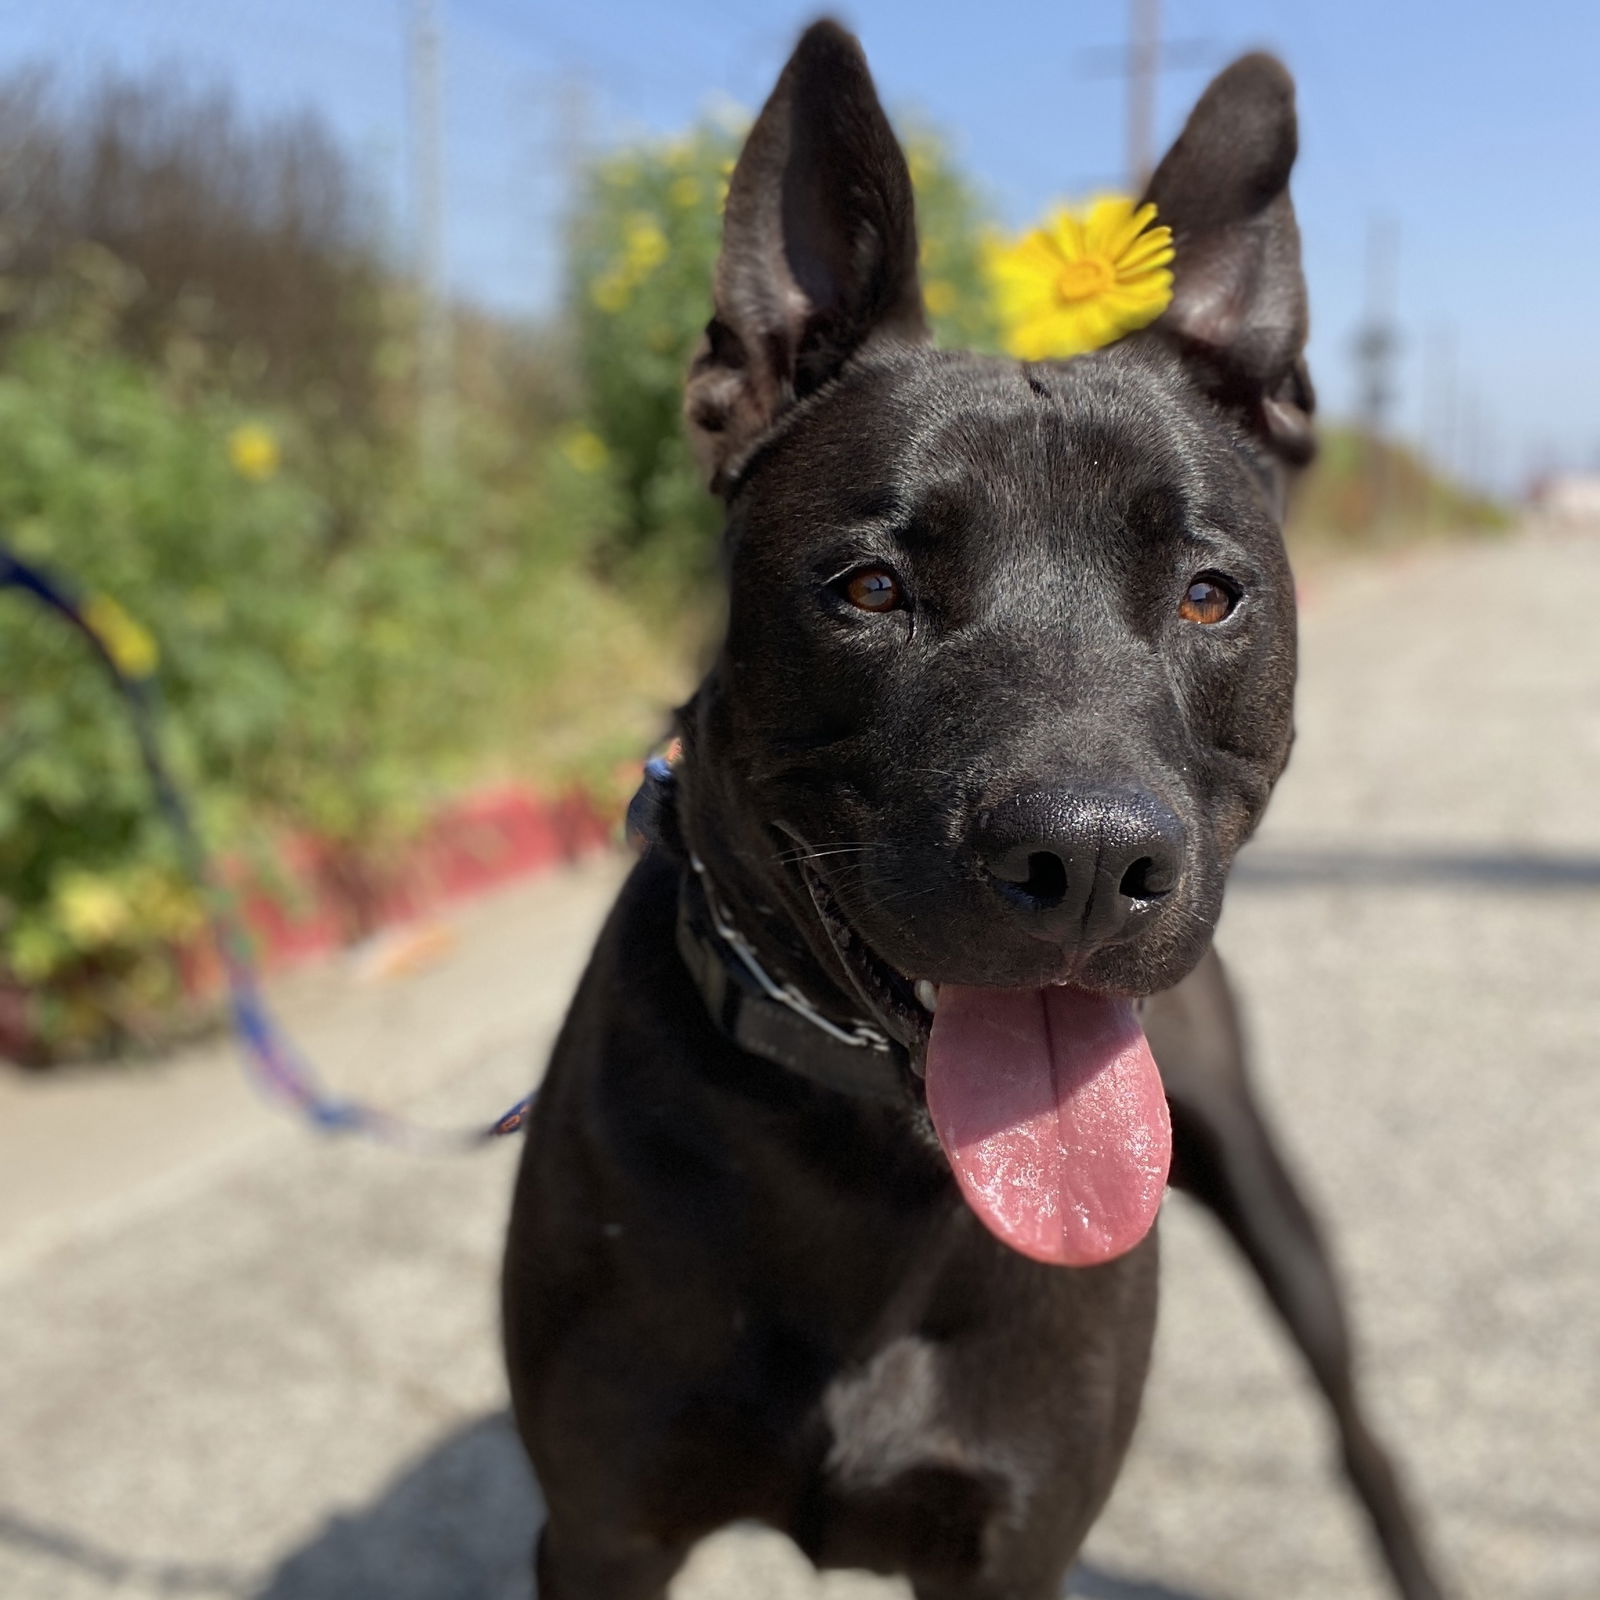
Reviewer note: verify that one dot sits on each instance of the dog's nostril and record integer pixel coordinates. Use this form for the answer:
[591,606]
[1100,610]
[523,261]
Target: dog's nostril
[1146,879]
[1081,867]
[1047,878]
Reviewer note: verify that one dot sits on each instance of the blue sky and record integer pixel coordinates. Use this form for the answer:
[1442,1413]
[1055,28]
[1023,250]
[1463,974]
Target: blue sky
[1475,127]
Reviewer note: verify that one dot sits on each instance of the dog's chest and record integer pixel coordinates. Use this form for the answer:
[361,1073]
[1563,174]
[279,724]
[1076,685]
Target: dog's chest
[890,1415]
[900,1477]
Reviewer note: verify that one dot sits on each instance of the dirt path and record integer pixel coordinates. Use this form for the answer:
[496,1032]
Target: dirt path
[235,1362]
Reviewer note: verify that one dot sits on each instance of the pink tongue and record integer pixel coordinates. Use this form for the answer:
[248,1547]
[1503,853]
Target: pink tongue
[1050,1109]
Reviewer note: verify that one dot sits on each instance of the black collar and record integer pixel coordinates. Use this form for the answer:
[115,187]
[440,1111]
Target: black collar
[755,1010]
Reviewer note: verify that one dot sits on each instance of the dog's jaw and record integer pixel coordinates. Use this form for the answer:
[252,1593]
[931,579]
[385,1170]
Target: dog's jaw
[894,998]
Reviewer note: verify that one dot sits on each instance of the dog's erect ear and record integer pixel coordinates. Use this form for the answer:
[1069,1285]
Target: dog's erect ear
[1238,311]
[819,251]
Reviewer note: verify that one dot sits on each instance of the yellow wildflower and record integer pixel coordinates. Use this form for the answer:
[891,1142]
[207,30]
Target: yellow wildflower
[253,450]
[1081,281]
[644,246]
[610,292]
[939,296]
[91,910]
[585,449]
[165,905]
[127,642]
[684,192]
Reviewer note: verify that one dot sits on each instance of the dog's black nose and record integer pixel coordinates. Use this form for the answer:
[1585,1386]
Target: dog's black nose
[1082,865]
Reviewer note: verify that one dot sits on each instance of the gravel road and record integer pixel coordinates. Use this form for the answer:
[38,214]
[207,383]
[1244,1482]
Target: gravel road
[237,1362]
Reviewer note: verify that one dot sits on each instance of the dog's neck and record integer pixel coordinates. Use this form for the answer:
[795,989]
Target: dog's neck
[763,984]
[743,865]
[771,926]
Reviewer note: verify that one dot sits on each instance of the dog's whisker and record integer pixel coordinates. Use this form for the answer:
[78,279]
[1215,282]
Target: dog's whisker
[793,856]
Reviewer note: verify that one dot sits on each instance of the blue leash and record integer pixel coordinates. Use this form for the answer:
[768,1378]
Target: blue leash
[271,1060]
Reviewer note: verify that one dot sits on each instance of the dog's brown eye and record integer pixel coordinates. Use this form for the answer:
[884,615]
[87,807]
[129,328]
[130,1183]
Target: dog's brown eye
[873,589]
[1207,600]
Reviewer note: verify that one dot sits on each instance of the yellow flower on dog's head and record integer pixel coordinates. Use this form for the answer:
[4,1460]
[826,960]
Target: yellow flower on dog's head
[1082,280]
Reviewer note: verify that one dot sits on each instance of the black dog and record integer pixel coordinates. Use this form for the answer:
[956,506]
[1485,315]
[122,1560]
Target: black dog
[836,1210]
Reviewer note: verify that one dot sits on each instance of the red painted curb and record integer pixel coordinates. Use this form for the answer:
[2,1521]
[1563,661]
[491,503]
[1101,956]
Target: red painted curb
[318,899]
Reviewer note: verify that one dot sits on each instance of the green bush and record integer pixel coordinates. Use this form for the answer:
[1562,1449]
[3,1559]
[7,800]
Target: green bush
[950,227]
[1359,492]
[342,642]
[643,252]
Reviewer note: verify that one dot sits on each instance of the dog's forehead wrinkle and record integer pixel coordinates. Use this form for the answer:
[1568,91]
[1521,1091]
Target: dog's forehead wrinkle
[919,423]
[1103,438]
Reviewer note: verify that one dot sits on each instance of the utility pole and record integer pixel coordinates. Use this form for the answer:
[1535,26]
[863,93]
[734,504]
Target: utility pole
[1439,426]
[1475,475]
[1144,62]
[435,396]
[1439,416]
[1141,61]
[1375,348]
[574,142]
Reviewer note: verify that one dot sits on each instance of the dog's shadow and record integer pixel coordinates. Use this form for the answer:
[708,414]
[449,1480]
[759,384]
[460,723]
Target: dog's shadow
[459,1524]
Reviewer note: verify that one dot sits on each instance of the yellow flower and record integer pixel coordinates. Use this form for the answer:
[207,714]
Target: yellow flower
[1081,281]
[939,296]
[92,910]
[253,451]
[127,642]
[164,905]
[610,292]
[644,246]
[684,193]
[585,450]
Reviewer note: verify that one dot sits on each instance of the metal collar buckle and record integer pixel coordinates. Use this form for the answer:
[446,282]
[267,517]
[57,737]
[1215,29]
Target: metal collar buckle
[860,1034]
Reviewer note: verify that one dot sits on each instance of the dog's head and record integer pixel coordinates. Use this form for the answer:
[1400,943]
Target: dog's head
[1010,650]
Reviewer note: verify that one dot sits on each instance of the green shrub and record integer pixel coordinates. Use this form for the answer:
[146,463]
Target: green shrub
[1360,492]
[342,643]
[950,226]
